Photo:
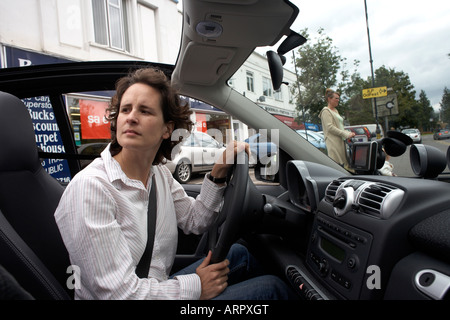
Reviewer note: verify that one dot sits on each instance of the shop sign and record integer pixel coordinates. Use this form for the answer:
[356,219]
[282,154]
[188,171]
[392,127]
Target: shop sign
[48,137]
[93,122]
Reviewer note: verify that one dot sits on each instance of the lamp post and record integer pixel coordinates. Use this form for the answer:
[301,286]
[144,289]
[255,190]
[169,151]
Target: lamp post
[378,131]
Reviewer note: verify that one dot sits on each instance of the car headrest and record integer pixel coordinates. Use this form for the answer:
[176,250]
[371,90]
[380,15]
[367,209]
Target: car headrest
[19,151]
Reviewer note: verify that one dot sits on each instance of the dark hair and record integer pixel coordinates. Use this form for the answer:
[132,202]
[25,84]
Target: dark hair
[173,108]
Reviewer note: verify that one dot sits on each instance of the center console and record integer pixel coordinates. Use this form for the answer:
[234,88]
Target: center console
[338,252]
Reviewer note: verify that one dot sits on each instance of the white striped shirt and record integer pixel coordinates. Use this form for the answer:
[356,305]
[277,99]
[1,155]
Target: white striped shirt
[102,217]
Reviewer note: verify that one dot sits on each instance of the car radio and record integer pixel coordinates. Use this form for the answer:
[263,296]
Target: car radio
[338,254]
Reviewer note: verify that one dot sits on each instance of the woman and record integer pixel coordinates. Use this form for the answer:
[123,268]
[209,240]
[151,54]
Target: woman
[102,215]
[333,129]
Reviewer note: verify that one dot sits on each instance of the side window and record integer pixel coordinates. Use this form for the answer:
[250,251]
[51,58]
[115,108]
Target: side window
[87,116]
[189,141]
[195,141]
[214,130]
[91,130]
[209,142]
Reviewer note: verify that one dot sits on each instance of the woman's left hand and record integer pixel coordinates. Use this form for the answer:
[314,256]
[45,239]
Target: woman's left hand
[228,158]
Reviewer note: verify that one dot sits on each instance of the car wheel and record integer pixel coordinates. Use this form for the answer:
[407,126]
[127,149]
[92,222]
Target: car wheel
[183,172]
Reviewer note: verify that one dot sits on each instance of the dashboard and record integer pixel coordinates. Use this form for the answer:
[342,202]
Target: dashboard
[371,237]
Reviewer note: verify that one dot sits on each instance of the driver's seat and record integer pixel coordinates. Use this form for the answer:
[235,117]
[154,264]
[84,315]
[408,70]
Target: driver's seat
[31,247]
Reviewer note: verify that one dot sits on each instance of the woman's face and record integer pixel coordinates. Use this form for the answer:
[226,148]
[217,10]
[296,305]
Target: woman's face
[334,100]
[140,123]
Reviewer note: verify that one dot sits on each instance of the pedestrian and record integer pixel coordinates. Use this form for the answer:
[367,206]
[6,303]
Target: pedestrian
[102,215]
[333,129]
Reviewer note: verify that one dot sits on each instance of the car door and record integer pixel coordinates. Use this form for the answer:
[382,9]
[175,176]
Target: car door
[210,150]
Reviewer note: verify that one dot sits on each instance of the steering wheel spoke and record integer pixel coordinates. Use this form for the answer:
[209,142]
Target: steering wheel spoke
[242,206]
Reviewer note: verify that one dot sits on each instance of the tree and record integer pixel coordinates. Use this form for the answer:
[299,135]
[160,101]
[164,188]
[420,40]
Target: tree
[407,105]
[426,112]
[357,109]
[445,106]
[318,64]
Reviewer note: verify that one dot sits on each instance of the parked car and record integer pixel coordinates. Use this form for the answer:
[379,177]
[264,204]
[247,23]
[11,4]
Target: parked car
[329,233]
[414,134]
[313,138]
[362,134]
[197,154]
[320,134]
[441,134]
[372,127]
[262,148]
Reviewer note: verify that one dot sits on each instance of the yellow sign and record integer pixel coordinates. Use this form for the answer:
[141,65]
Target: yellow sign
[374,92]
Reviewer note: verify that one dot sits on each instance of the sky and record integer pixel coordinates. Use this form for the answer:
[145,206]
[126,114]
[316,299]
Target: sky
[410,36]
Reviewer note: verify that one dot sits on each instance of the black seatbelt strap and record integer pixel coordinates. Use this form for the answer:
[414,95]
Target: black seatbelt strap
[144,264]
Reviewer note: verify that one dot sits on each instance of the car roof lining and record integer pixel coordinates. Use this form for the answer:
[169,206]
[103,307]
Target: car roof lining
[216,59]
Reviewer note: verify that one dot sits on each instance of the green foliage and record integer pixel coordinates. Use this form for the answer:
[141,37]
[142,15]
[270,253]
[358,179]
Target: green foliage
[318,64]
[426,112]
[445,106]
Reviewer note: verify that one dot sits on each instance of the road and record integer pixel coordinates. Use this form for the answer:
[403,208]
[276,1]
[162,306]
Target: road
[402,165]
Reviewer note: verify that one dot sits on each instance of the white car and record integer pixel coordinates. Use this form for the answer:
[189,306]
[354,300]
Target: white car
[197,154]
[414,134]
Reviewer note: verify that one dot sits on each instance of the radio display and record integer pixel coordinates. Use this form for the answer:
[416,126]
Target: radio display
[332,249]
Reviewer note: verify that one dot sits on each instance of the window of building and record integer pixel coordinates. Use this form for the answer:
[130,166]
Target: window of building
[250,82]
[278,95]
[110,23]
[267,87]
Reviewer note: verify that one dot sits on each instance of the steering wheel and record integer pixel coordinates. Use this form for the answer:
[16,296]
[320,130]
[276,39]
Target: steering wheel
[242,204]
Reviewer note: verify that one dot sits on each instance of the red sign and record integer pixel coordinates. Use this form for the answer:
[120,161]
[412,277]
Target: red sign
[93,122]
[201,122]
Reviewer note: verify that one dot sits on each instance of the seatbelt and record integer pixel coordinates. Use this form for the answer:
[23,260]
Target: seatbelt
[144,264]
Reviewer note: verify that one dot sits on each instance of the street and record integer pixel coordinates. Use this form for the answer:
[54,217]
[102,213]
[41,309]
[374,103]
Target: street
[402,165]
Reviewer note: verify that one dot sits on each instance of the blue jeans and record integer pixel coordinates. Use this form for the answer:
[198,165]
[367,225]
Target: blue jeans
[246,280]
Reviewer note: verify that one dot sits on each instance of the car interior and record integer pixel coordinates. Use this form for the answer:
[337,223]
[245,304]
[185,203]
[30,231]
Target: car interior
[330,233]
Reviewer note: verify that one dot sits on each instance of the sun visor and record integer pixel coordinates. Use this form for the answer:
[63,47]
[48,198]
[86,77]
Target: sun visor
[203,64]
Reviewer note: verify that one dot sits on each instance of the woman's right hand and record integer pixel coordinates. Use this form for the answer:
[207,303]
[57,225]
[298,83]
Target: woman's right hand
[213,277]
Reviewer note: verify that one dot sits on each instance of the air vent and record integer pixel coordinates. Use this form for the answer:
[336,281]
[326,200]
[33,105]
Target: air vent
[379,200]
[331,190]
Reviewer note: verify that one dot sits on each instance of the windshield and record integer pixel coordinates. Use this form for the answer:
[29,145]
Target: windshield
[402,97]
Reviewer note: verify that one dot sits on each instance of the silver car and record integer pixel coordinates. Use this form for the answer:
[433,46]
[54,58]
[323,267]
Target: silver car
[414,134]
[197,154]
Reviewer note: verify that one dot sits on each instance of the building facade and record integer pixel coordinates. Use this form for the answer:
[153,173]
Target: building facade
[55,31]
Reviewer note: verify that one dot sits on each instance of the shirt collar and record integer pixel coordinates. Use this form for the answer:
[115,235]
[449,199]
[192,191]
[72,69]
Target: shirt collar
[115,174]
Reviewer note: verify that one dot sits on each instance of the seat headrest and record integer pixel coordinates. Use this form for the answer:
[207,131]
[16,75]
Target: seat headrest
[18,142]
